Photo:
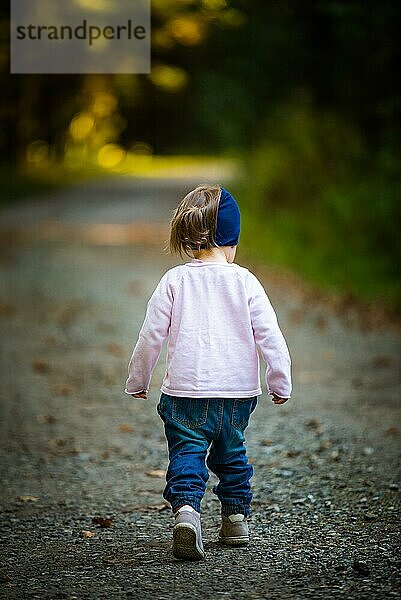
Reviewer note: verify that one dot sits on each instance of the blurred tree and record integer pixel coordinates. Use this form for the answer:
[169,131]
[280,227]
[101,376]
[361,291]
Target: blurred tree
[219,68]
[307,92]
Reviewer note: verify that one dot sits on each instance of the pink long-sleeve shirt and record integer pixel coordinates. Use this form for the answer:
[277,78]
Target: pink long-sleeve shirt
[216,316]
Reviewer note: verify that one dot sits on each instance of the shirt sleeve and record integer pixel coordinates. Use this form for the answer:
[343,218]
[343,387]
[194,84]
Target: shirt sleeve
[154,331]
[269,340]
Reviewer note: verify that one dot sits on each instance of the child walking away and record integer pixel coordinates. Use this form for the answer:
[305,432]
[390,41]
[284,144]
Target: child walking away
[216,315]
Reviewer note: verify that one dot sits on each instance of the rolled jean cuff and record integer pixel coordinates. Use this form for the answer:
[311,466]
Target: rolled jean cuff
[182,500]
[235,509]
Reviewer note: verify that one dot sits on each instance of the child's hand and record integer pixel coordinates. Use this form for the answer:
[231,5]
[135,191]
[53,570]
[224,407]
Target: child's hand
[143,395]
[278,400]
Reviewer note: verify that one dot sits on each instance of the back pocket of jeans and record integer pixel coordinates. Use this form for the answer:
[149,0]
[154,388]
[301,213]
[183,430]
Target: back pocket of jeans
[191,412]
[242,409]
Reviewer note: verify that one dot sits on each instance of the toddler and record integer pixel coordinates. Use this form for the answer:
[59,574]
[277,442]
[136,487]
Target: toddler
[216,315]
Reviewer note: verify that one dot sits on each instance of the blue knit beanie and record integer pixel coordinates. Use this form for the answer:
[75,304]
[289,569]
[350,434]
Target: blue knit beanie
[228,220]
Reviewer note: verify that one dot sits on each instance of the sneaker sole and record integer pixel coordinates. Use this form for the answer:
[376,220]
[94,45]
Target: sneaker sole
[234,541]
[184,542]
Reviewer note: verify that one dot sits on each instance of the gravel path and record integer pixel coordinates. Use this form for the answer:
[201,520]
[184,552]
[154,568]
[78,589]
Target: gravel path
[82,464]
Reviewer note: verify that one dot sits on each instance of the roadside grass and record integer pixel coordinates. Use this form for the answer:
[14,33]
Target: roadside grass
[313,249]
[335,243]
[315,200]
[16,185]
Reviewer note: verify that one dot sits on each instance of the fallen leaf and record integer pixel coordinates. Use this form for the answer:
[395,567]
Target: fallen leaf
[293,453]
[394,431]
[6,310]
[64,389]
[105,327]
[87,534]
[40,366]
[68,313]
[381,361]
[102,521]
[266,442]
[324,444]
[155,473]
[27,498]
[46,419]
[125,428]
[4,576]
[320,322]
[134,287]
[296,315]
[115,350]
[312,423]
[56,442]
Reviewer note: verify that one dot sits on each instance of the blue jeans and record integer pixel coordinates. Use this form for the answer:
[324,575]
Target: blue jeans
[191,426]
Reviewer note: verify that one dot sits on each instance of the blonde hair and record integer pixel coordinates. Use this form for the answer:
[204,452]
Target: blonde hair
[194,222]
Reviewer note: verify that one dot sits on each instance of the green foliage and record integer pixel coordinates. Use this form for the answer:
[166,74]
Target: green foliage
[15,185]
[306,92]
[318,203]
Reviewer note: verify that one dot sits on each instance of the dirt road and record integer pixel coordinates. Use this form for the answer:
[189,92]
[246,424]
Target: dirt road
[76,273]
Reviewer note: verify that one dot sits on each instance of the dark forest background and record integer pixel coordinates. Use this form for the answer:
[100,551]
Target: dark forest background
[305,95]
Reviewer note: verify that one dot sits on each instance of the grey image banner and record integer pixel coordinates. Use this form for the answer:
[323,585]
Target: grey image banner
[80,36]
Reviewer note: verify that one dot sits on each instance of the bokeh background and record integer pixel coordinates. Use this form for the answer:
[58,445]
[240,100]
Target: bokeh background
[300,99]
[294,106]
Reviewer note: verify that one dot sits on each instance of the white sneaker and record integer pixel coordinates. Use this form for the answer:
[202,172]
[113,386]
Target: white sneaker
[187,534]
[234,530]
